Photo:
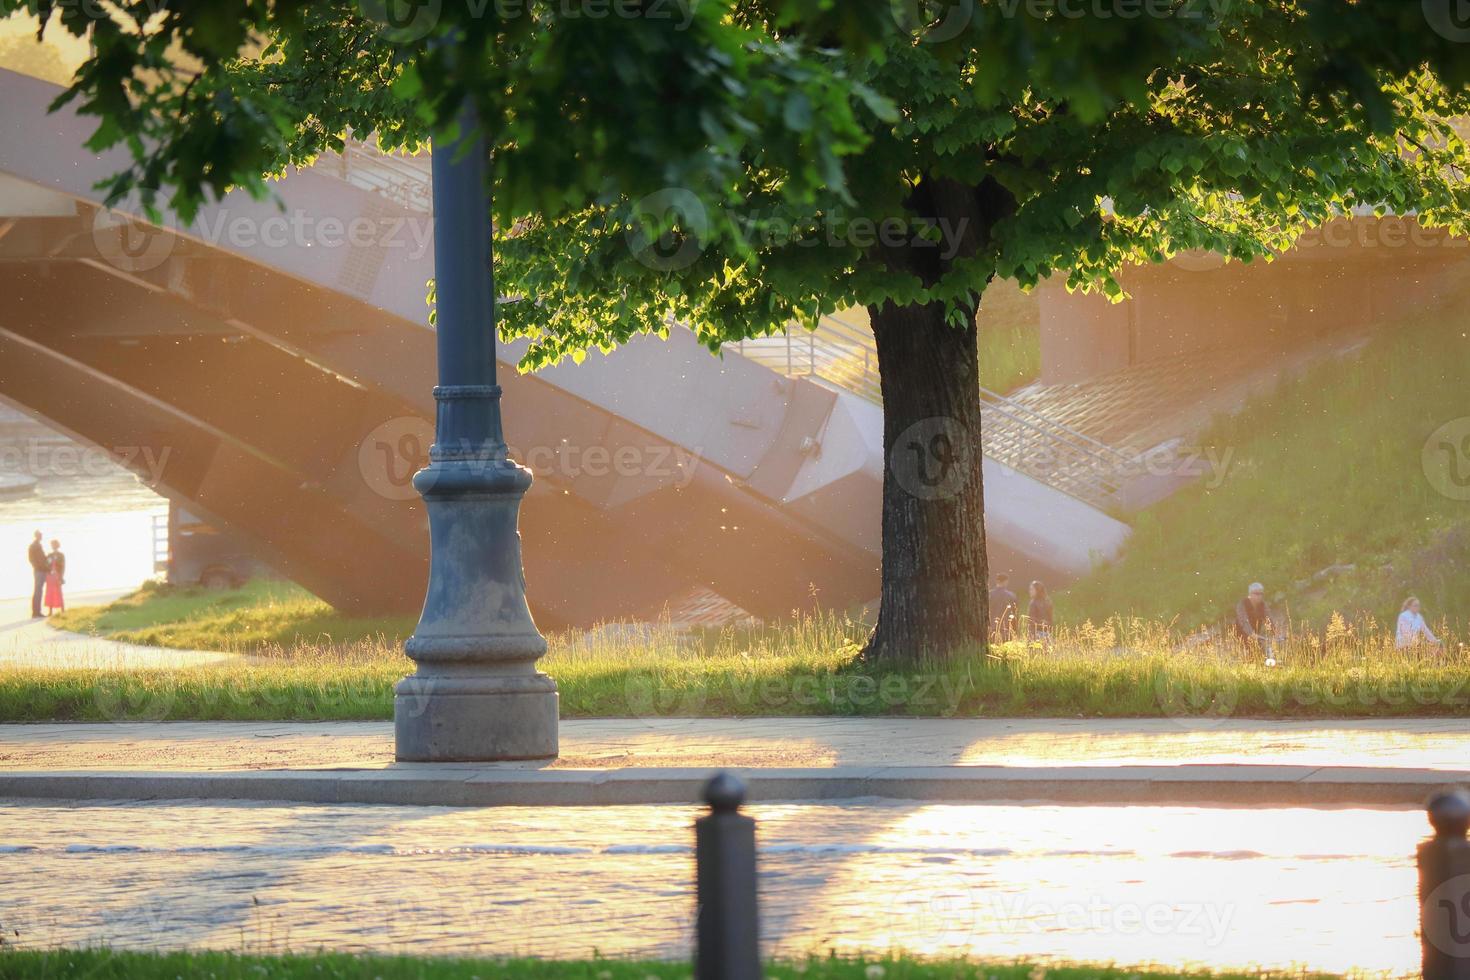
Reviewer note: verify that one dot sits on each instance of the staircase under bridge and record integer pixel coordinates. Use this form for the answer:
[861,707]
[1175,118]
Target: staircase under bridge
[276,357]
[841,353]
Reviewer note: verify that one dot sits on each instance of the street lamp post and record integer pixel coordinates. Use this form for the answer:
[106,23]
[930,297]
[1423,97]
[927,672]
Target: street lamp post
[476,694]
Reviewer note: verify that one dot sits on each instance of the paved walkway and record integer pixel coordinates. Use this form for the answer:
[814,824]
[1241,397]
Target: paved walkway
[1362,763]
[821,743]
[33,643]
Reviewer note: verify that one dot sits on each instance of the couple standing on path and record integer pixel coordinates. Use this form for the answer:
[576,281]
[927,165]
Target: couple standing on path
[50,575]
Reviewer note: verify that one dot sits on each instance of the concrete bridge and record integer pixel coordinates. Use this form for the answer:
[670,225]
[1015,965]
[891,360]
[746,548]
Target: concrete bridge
[274,357]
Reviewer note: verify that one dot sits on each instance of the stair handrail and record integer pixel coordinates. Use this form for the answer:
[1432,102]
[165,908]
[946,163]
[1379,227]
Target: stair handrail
[835,341]
[1102,464]
[1083,441]
[392,175]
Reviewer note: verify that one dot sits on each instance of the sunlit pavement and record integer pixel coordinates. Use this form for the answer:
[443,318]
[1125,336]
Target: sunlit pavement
[769,742]
[630,761]
[1329,890]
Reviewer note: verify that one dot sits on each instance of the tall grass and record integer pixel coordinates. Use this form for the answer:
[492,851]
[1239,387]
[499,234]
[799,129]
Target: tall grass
[806,666]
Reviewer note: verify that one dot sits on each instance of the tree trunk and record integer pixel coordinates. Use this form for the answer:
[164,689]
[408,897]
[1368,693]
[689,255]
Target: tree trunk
[934,575]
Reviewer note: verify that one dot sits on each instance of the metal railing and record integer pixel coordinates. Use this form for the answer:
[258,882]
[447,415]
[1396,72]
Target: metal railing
[162,543]
[842,353]
[400,178]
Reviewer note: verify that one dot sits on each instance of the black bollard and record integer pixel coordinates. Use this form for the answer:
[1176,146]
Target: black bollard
[1444,888]
[727,941]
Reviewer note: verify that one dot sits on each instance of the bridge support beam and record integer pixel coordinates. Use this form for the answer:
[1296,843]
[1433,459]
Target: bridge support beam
[476,694]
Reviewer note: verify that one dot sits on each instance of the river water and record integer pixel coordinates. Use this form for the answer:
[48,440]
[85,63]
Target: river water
[1329,890]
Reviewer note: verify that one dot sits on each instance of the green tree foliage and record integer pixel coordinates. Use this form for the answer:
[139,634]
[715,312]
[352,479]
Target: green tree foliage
[737,165]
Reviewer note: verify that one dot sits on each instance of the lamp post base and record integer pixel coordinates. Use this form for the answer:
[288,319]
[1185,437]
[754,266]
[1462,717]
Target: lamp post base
[476,695]
[475,719]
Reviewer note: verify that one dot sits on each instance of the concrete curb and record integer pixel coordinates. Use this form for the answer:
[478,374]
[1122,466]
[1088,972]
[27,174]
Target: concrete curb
[479,786]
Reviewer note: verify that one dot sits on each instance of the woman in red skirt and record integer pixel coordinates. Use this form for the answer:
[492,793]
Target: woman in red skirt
[55,579]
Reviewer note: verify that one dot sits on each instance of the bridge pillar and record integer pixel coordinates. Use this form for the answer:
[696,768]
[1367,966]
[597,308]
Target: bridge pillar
[476,694]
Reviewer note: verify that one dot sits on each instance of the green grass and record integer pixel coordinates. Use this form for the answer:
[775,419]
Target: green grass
[107,965]
[1009,344]
[266,615]
[1326,470]
[1010,356]
[1010,337]
[807,666]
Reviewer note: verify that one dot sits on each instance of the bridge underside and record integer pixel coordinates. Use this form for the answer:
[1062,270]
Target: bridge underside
[250,390]
[283,382]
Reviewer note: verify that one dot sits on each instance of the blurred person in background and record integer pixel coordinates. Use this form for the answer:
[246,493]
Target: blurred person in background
[1039,613]
[40,566]
[1004,607]
[1253,625]
[1412,629]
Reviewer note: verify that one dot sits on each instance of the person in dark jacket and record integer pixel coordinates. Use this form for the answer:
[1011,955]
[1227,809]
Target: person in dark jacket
[1004,607]
[1039,612]
[40,567]
[1253,625]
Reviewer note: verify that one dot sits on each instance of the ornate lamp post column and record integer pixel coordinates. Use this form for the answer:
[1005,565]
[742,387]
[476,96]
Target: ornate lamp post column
[476,694]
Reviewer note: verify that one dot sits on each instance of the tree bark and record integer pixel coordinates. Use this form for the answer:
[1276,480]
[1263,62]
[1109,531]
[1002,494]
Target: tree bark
[934,600]
[934,579]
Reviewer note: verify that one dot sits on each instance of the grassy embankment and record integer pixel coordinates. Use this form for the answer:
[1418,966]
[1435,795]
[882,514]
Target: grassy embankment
[307,663]
[1009,343]
[1010,337]
[1328,470]
[106,965]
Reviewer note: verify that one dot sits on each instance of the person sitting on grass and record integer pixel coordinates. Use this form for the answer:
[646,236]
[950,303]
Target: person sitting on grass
[1253,625]
[1412,629]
